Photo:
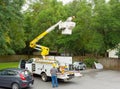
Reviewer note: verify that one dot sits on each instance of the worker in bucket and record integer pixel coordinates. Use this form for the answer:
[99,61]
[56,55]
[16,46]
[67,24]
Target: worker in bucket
[54,72]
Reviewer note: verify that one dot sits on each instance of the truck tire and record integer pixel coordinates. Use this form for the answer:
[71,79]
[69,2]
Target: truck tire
[44,77]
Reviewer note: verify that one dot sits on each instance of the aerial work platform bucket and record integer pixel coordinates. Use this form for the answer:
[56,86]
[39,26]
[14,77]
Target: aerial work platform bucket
[67,27]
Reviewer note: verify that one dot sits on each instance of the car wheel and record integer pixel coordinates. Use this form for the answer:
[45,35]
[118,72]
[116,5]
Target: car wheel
[84,68]
[15,86]
[44,77]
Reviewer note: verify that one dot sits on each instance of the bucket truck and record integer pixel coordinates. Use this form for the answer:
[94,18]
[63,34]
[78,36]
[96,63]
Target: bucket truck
[42,66]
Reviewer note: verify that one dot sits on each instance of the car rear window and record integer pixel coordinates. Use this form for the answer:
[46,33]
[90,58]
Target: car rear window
[26,72]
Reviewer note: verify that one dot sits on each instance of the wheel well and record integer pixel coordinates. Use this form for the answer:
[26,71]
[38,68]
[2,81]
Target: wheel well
[14,83]
[43,73]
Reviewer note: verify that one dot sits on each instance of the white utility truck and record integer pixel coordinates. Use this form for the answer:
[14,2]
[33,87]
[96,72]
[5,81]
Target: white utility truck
[42,67]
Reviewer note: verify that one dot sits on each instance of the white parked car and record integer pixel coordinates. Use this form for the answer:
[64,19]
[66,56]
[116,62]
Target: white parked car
[79,65]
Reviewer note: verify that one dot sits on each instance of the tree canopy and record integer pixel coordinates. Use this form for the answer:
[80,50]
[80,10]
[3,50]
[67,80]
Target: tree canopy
[12,37]
[97,26]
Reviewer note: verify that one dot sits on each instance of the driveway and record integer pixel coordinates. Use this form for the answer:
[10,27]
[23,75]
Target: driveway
[91,79]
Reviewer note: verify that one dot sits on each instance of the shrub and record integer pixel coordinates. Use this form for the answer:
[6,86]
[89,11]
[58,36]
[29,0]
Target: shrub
[90,62]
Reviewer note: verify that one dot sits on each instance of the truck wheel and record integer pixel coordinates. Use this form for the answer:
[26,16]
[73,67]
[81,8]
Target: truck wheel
[44,77]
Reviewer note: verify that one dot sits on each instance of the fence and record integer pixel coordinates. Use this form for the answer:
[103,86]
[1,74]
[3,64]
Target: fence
[107,63]
[113,64]
[15,58]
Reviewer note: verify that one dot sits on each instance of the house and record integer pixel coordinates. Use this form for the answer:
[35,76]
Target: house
[112,53]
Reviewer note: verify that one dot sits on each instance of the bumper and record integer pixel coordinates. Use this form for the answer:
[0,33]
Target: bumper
[27,84]
[65,76]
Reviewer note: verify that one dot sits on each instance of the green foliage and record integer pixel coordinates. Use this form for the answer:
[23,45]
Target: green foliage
[11,26]
[89,62]
[44,14]
[107,20]
[97,26]
[118,51]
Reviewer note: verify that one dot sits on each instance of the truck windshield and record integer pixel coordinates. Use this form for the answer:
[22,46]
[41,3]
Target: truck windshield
[30,60]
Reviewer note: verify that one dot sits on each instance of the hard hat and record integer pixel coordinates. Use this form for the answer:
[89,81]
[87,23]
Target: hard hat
[54,65]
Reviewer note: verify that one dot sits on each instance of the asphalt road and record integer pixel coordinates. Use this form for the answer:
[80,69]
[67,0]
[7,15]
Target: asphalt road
[91,79]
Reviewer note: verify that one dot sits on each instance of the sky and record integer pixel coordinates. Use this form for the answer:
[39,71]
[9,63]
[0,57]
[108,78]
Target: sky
[65,1]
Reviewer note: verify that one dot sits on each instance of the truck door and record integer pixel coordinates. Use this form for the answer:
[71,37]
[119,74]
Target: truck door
[30,65]
[22,64]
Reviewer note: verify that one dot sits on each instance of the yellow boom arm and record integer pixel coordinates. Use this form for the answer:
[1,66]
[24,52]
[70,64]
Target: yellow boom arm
[45,50]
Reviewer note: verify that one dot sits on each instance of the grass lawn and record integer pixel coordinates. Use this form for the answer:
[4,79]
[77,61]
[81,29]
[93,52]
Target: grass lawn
[9,65]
